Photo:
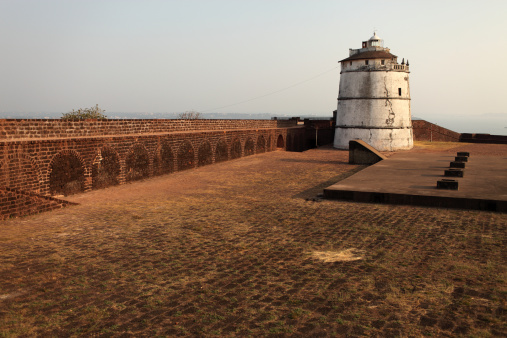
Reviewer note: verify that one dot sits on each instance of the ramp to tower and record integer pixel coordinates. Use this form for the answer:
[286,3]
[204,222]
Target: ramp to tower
[361,152]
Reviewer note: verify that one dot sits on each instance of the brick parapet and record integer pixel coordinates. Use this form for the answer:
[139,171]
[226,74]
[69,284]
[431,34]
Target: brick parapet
[56,128]
[29,164]
[427,131]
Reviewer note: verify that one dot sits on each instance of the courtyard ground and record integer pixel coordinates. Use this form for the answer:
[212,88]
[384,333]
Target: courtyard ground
[244,248]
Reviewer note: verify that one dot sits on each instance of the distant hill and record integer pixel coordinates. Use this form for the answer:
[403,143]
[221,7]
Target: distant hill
[117,115]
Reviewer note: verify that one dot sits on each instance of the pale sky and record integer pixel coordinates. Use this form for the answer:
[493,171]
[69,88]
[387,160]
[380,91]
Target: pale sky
[174,56]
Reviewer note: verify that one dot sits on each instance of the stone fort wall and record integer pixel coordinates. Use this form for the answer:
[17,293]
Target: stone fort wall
[55,157]
[427,131]
[52,128]
[15,203]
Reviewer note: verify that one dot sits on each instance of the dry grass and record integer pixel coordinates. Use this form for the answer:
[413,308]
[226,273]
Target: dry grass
[227,250]
[346,255]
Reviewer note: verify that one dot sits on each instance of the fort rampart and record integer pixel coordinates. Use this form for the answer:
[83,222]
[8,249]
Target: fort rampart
[50,128]
[427,131]
[55,157]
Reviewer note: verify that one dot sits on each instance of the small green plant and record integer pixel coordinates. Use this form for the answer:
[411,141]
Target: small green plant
[86,113]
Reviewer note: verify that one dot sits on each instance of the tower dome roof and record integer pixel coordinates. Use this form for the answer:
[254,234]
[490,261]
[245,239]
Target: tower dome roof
[375,37]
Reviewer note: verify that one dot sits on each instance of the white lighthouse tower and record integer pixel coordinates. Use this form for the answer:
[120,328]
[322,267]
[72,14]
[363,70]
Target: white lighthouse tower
[374,99]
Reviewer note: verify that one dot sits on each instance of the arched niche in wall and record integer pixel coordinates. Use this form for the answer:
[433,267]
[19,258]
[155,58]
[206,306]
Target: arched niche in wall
[279,142]
[20,172]
[186,159]
[261,144]
[236,148]
[163,162]
[204,154]
[137,163]
[221,153]
[105,169]
[249,147]
[66,176]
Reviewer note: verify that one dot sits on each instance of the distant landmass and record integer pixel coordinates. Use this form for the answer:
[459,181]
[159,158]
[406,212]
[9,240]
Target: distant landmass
[113,115]
[494,124]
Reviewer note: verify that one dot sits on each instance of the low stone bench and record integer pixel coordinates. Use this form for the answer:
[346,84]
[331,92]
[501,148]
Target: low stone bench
[447,184]
[457,165]
[454,172]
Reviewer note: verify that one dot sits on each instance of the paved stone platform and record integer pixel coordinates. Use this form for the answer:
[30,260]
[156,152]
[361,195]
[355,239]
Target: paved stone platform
[411,178]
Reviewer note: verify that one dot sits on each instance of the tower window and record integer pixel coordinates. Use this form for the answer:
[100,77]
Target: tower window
[399,91]
[351,63]
[366,62]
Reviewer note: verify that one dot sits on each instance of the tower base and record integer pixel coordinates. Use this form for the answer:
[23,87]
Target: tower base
[382,139]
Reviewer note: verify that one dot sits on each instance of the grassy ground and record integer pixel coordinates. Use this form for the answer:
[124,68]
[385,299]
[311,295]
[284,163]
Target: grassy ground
[238,249]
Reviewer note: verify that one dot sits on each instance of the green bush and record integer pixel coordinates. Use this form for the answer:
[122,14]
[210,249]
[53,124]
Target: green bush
[87,113]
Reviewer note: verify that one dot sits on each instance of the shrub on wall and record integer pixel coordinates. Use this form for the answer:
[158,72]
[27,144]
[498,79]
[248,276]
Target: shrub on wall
[190,115]
[86,113]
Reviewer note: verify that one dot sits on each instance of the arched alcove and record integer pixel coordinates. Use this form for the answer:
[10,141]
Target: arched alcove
[163,163]
[106,169]
[221,154]
[261,144]
[249,147]
[279,142]
[236,148]
[66,174]
[204,155]
[137,163]
[186,158]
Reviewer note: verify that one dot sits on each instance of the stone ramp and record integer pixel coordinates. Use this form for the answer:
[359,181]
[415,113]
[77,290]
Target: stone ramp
[361,152]
[18,203]
[411,178]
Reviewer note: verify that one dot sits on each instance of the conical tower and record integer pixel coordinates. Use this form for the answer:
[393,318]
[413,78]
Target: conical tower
[374,99]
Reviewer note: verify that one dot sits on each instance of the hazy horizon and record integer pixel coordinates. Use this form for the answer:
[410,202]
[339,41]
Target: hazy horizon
[274,57]
[460,125]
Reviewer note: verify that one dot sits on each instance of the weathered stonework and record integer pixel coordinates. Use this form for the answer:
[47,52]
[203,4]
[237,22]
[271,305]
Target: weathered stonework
[53,157]
[374,99]
[427,131]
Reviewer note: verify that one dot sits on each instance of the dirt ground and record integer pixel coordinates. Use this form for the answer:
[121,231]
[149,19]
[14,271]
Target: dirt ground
[243,248]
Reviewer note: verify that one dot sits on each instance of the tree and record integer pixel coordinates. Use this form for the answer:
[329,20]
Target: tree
[190,115]
[86,113]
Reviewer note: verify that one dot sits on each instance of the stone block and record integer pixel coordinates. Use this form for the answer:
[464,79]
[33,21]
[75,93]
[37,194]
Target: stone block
[361,152]
[447,184]
[457,165]
[454,172]
[461,159]
[463,153]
